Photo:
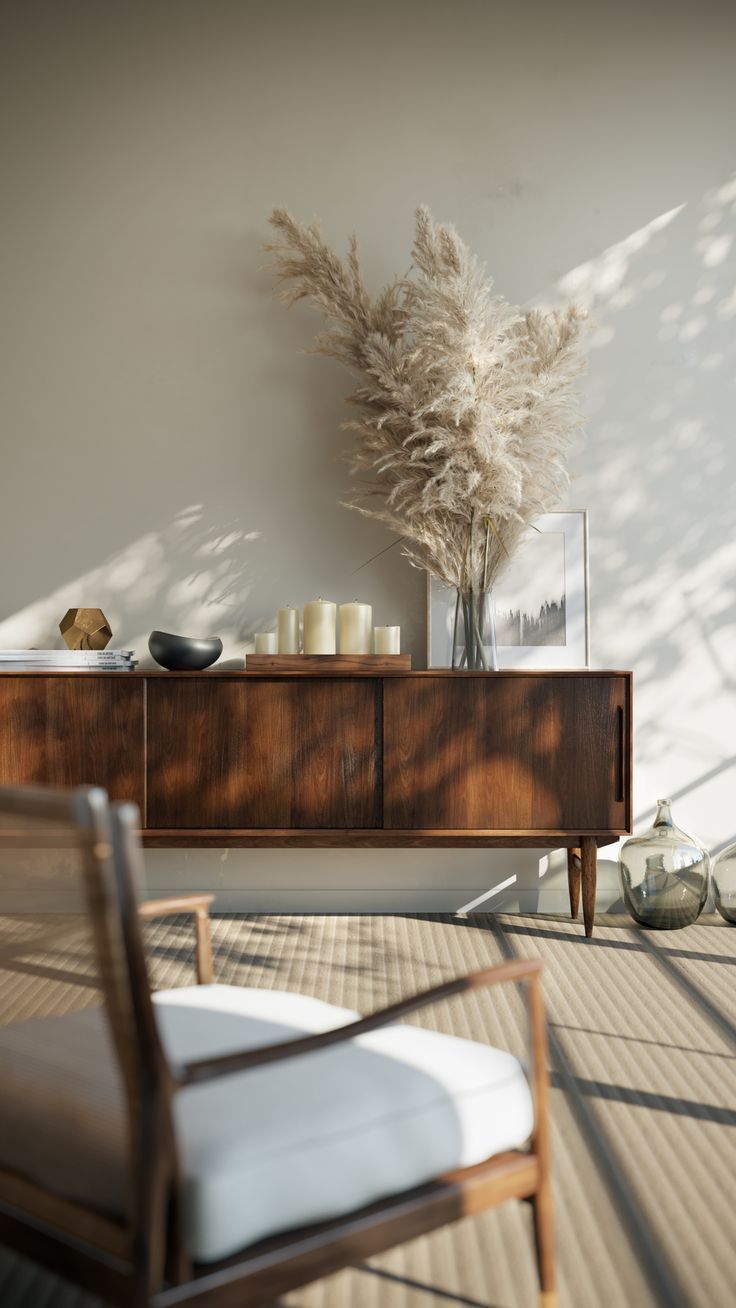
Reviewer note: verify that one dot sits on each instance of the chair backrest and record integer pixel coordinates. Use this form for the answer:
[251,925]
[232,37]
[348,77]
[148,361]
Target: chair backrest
[76,1018]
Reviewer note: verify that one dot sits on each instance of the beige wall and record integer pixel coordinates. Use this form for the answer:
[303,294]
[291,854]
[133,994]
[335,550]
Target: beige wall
[167,452]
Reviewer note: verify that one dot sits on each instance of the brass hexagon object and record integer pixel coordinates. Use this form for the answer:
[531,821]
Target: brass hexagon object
[85,629]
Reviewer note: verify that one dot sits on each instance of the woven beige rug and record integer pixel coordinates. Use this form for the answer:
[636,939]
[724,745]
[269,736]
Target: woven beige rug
[644,1099]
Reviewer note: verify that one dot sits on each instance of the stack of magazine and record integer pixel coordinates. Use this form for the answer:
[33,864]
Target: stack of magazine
[67,660]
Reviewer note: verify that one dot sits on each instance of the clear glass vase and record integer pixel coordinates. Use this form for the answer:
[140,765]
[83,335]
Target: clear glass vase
[664,874]
[724,883]
[474,633]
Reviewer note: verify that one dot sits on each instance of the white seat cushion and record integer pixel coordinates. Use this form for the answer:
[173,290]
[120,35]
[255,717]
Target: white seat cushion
[261,1151]
[302,1141]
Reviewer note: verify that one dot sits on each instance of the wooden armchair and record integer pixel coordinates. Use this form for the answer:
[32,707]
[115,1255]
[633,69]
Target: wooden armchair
[117,1185]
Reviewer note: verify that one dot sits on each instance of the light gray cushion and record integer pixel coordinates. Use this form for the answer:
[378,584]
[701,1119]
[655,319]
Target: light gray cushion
[287,1144]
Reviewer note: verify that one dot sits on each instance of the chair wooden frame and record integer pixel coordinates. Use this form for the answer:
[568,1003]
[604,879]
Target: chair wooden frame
[141,1262]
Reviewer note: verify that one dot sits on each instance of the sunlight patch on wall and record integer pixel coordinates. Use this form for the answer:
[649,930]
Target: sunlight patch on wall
[658,456]
[147,584]
[604,276]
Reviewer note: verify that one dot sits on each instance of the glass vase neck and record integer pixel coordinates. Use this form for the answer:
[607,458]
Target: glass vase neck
[664,814]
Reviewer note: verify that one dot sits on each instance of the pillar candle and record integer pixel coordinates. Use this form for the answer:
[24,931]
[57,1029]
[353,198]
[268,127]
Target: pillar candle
[387,640]
[355,628]
[319,626]
[288,631]
[266,642]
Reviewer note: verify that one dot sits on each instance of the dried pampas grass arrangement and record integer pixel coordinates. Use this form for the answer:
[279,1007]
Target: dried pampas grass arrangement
[466,406]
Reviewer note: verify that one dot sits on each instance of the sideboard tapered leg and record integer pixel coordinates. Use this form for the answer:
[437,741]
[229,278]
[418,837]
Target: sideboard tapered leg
[589,874]
[573,880]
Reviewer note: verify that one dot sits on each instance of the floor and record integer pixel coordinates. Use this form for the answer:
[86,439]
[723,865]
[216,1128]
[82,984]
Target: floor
[643,1029]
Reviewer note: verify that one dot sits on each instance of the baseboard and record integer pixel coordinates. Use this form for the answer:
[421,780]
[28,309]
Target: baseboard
[361,900]
[407,881]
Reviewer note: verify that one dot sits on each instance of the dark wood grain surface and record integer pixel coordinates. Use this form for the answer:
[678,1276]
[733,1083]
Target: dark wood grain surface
[218,673]
[365,838]
[418,758]
[313,753]
[270,753]
[326,665]
[196,757]
[517,754]
[588,878]
[73,731]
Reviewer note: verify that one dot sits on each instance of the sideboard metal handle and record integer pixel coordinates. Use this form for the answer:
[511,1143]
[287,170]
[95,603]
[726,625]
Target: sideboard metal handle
[620,754]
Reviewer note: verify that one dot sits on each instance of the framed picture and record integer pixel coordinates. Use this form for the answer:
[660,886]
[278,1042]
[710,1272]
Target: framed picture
[540,601]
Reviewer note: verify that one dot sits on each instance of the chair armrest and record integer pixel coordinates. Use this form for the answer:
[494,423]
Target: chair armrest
[198,905]
[176,904]
[526,970]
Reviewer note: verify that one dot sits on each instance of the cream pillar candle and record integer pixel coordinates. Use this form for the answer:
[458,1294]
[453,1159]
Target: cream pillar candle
[387,640]
[266,642]
[319,626]
[288,631]
[355,628]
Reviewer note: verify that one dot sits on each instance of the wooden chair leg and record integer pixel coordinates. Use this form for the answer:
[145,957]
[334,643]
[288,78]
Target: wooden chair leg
[544,1240]
[542,1204]
[573,880]
[204,948]
[589,875]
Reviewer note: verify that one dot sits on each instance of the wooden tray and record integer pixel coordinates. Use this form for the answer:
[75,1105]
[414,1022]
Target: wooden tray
[308,664]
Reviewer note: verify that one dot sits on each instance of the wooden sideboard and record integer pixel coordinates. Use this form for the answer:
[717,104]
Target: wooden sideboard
[437,758]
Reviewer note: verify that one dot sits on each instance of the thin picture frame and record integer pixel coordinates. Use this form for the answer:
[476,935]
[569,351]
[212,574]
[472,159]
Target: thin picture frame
[574,652]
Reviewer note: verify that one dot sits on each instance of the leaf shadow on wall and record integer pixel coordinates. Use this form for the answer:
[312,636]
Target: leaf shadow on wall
[658,468]
[144,585]
[223,500]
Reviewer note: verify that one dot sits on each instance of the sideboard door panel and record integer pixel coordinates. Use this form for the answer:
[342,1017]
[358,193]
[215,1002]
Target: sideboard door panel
[312,749]
[196,752]
[261,753]
[508,753]
[78,730]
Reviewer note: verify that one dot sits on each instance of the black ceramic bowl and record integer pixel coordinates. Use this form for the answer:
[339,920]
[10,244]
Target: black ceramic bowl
[183,653]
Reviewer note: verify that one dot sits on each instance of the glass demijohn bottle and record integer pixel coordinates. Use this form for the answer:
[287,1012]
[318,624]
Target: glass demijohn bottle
[664,874]
[724,883]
